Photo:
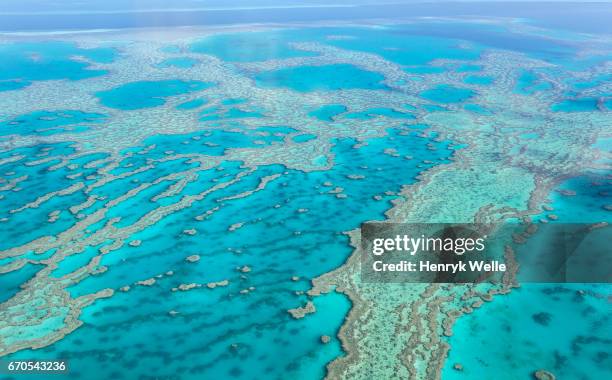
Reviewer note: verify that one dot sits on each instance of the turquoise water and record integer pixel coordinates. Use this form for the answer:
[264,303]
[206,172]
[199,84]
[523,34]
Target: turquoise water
[529,82]
[493,35]
[579,84]
[147,94]
[373,112]
[219,334]
[13,85]
[399,44]
[40,180]
[231,102]
[576,105]
[328,112]
[258,331]
[304,138]
[292,227]
[48,123]
[9,283]
[582,199]
[433,108]
[322,78]
[50,60]
[191,104]
[250,47]
[468,68]
[447,94]
[563,328]
[478,79]
[476,108]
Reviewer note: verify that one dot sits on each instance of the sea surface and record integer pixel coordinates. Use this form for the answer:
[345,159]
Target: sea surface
[165,203]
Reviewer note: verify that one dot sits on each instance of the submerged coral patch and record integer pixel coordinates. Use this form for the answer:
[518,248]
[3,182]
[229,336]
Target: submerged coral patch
[182,62]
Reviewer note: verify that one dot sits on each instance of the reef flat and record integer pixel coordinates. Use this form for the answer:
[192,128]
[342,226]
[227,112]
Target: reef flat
[175,207]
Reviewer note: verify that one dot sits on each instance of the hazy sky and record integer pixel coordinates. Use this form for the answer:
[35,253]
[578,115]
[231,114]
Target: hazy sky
[50,15]
[34,6]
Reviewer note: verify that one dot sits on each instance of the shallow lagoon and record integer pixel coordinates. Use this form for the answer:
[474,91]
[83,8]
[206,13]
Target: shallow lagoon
[322,78]
[558,328]
[147,94]
[258,46]
[50,60]
[447,94]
